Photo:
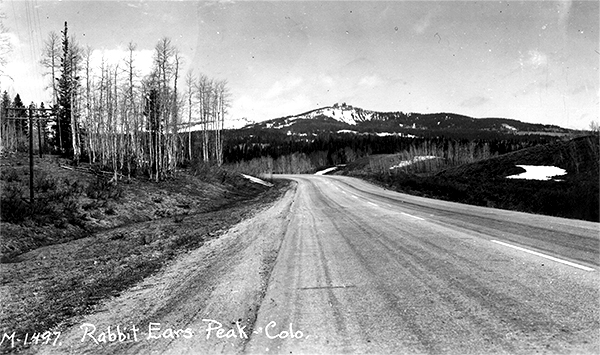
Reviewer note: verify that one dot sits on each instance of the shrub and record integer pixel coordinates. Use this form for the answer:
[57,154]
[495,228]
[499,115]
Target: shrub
[12,206]
[10,175]
[52,199]
[43,183]
[103,189]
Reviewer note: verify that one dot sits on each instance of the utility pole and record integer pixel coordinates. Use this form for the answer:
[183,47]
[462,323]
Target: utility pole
[30,116]
[39,128]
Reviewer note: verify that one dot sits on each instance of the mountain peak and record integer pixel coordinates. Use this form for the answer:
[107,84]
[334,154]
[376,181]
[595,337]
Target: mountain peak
[339,112]
[341,117]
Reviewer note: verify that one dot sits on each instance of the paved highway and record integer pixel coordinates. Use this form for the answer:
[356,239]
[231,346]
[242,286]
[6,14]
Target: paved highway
[364,269]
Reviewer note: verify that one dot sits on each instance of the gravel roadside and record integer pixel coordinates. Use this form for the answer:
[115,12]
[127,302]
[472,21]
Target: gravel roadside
[220,284]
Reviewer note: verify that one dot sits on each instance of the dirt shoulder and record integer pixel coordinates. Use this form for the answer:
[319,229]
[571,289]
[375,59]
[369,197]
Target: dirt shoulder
[52,274]
[223,281]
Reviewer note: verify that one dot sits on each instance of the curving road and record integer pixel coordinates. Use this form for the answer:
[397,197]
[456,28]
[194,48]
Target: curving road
[364,269]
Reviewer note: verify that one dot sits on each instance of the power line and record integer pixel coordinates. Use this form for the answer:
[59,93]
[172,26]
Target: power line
[29,76]
[33,40]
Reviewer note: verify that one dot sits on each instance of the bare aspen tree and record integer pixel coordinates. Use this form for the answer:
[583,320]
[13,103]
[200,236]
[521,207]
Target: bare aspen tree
[174,113]
[222,98]
[128,123]
[117,134]
[164,53]
[204,91]
[189,81]
[50,61]
[75,56]
[87,53]
[132,125]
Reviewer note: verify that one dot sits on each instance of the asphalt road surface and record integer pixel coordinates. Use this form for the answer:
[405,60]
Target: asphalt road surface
[364,269]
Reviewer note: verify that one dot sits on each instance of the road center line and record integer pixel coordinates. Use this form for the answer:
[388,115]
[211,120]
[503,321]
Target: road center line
[371,203]
[415,217]
[546,256]
[354,196]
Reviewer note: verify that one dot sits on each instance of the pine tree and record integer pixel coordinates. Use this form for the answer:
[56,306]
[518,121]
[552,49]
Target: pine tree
[66,128]
[7,127]
[5,104]
[41,127]
[21,123]
[65,88]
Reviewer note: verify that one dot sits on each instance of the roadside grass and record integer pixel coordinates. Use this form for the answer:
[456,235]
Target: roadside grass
[127,232]
[568,199]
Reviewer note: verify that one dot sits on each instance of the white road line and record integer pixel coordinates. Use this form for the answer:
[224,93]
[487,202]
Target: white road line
[410,215]
[371,203]
[545,256]
[354,196]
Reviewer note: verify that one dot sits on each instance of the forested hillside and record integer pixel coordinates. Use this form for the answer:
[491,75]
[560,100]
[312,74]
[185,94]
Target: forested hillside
[346,117]
[483,182]
[271,152]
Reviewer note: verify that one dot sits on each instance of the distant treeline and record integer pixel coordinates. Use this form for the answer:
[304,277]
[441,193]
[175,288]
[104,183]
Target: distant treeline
[276,154]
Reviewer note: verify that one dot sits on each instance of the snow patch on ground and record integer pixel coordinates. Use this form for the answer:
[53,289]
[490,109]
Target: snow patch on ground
[538,172]
[347,131]
[323,172]
[257,180]
[412,161]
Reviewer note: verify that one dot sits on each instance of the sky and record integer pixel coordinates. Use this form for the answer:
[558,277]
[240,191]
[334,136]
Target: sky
[534,61]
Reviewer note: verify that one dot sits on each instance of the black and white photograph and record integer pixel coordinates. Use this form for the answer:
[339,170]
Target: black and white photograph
[299,177]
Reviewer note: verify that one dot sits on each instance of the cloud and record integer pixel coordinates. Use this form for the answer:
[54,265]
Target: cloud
[536,86]
[281,87]
[534,59]
[142,59]
[326,80]
[537,58]
[259,109]
[21,73]
[474,101]
[579,89]
[370,81]
[423,23]
[564,8]
[211,3]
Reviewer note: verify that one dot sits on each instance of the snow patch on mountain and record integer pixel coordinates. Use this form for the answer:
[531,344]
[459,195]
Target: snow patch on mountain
[287,124]
[342,113]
